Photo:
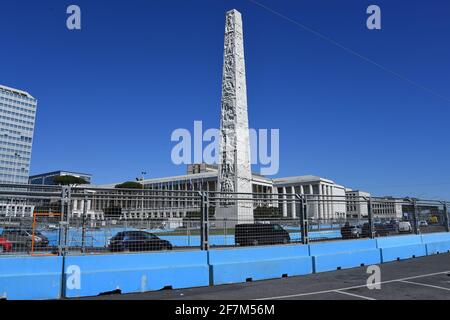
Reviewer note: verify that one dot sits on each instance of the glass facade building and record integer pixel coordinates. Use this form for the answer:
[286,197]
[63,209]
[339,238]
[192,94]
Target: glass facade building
[17,118]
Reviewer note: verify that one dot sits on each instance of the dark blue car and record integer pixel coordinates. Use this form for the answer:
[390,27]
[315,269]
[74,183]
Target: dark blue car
[137,241]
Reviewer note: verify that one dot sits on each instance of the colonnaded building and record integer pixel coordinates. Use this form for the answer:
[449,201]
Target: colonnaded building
[279,193]
[336,201]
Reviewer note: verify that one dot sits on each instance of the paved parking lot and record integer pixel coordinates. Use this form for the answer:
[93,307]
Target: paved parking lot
[419,278]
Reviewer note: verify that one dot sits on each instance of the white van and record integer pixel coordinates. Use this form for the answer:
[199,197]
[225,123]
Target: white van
[404,227]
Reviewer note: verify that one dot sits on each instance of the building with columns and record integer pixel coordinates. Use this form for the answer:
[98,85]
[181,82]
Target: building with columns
[204,179]
[16,210]
[387,208]
[326,198]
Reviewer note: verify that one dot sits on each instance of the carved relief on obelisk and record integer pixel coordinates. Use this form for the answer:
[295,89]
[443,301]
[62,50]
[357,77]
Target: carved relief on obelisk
[234,167]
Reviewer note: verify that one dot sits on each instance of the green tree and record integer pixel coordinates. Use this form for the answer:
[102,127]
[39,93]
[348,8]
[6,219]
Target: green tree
[69,180]
[129,185]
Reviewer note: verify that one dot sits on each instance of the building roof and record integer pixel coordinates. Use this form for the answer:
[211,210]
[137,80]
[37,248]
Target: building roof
[301,179]
[52,173]
[356,191]
[16,91]
[187,177]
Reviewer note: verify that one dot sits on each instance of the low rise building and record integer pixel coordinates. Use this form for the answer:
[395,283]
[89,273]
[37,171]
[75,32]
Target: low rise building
[326,198]
[382,207]
[357,205]
[48,177]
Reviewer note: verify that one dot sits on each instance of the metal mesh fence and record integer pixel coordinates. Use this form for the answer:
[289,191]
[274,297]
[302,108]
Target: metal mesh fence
[251,220]
[29,219]
[327,220]
[431,217]
[45,220]
[130,220]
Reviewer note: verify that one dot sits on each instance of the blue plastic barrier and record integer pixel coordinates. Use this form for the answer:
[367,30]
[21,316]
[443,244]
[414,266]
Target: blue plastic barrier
[344,254]
[240,264]
[92,275]
[401,247]
[436,243]
[30,278]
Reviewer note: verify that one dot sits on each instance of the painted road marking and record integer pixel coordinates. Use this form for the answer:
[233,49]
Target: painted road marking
[354,287]
[426,285]
[354,295]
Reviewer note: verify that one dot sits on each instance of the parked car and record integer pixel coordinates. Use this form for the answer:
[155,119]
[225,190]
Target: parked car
[52,227]
[24,237]
[5,245]
[386,228]
[423,223]
[381,229]
[404,227]
[349,231]
[260,234]
[137,241]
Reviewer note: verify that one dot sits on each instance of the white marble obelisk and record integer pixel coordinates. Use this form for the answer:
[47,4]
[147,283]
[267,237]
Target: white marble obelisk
[234,168]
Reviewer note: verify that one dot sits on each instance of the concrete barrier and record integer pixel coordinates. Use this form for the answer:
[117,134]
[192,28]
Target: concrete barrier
[92,275]
[344,254]
[401,247]
[436,243]
[30,278]
[241,264]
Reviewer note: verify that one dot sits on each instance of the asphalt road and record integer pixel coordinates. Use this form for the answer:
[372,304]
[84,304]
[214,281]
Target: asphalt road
[420,278]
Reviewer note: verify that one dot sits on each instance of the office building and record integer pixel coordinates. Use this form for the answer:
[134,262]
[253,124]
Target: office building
[17,119]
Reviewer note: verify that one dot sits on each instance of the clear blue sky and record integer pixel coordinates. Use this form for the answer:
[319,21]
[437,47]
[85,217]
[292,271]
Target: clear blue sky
[111,94]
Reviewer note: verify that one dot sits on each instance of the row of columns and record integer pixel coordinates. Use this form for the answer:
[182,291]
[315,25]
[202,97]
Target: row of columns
[169,207]
[176,207]
[322,208]
[17,210]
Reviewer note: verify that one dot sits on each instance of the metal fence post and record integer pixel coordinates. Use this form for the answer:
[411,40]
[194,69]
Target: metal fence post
[61,224]
[303,219]
[300,213]
[370,217]
[83,226]
[204,217]
[446,217]
[64,223]
[416,227]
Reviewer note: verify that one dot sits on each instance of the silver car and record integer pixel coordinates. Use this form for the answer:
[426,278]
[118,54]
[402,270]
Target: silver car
[24,237]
